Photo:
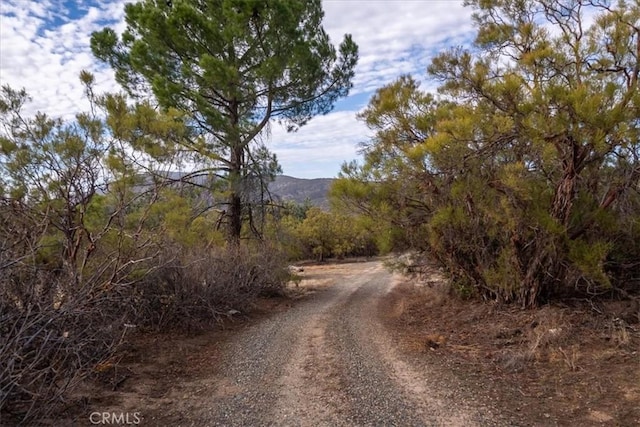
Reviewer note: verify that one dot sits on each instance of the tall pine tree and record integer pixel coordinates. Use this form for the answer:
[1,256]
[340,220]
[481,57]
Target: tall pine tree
[233,66]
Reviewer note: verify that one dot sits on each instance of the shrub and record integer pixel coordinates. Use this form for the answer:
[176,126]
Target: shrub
[195,288]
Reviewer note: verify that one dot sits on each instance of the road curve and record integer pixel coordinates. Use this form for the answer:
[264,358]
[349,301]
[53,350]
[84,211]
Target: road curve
[328,361]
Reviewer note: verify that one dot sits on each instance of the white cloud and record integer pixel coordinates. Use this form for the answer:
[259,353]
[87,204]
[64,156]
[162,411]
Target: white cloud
[396,37]
[43,49]
[318,149]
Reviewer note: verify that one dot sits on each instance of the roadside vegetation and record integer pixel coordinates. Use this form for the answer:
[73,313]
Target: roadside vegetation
[517,186]
[101,234]
[520,177]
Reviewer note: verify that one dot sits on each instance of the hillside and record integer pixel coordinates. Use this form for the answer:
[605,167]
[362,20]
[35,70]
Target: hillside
[288,188]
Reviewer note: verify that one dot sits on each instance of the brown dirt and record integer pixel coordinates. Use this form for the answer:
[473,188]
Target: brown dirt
[564,365]
[152,364]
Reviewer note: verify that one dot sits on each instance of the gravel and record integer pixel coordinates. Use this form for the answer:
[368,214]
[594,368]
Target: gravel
[328,361]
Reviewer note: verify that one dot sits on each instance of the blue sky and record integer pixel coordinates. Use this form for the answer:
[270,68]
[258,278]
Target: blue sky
[44,44]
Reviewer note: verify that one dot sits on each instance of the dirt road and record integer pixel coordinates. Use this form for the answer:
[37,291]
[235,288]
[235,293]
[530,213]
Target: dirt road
[326,361]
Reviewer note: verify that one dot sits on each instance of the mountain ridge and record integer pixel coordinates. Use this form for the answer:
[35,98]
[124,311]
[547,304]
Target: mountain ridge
[283,188]
[298,190]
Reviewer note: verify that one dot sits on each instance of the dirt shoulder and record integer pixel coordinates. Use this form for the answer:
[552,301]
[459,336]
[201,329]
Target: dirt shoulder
[558,365]
[155,372]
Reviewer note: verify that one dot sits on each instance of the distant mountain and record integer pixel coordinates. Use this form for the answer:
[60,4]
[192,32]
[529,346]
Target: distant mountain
[298,190]
[285,188]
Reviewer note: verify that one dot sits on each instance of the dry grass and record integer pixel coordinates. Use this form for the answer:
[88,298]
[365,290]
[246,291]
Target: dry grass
[573,363]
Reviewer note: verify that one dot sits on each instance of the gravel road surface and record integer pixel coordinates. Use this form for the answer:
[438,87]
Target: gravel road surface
[328,361]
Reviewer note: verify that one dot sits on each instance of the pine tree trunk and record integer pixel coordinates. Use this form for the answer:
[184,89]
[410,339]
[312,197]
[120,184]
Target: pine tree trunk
[234,225]
[235,217]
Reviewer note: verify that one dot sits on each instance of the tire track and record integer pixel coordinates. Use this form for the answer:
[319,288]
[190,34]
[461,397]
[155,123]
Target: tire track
[328,361]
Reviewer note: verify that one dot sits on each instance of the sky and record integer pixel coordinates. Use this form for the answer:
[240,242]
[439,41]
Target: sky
[44,44]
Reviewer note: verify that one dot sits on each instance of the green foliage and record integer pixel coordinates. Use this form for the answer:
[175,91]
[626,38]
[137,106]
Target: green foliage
[95,234]
[389,186]
[305,232]
[330,234]
[177,219]
[522,178]
[589,258]
[232,66]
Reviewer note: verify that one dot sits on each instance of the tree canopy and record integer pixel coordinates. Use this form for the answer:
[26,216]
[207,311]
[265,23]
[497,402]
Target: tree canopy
[233,66]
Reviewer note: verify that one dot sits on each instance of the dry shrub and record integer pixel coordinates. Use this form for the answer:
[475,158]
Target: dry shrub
[55,326]
[568,356]
[50,337]
[193,290]
[59,323]
[618,331]
[53,334]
